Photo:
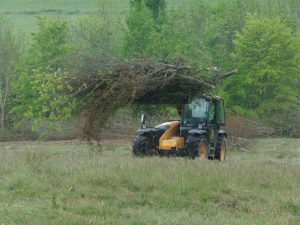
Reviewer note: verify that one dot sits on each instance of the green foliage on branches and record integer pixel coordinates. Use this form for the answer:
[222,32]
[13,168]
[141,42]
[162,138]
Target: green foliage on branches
[97,34]
[10,51]
[177,35]
[141,33]
[225,19]
[49,45]
[41,90]
[92,34]
[267,55]
[228,17]
[183,35]
[51,105]
[156,7]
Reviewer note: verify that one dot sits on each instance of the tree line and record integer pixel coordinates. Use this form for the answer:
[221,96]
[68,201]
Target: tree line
[258,37]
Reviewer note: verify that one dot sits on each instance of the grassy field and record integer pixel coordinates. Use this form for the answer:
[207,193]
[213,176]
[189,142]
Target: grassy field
[23,12]
[66,183]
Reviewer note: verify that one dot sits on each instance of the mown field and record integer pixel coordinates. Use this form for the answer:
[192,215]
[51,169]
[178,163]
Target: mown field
[67,183]
[23,12]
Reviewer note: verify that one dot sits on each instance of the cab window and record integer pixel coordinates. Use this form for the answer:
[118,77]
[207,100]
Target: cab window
[195,113]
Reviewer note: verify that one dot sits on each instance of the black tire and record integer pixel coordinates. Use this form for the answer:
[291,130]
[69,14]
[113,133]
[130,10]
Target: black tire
[142,146]
[194,144]
[221,148]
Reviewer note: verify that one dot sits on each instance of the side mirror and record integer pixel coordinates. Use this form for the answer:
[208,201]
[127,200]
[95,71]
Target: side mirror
[143,119]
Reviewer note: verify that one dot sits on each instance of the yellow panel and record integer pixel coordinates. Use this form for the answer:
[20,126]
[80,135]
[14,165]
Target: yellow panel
[172,143]
[170,139]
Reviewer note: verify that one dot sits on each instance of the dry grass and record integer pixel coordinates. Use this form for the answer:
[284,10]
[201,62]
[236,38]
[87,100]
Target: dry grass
[65,183]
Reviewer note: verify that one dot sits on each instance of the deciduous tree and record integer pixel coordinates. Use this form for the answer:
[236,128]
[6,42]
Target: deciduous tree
[267,56]
[41,88]
[10,49]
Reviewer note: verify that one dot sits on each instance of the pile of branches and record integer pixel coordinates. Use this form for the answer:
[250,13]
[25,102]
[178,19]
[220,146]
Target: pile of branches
[116,84]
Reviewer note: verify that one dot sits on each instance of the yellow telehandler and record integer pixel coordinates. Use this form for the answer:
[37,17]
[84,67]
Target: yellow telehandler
[198,134]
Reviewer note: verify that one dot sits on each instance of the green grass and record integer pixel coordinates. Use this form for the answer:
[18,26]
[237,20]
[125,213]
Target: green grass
[66,183]
[23,12]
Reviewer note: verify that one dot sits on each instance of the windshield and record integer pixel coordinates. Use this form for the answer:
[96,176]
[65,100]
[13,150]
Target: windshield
[195,113]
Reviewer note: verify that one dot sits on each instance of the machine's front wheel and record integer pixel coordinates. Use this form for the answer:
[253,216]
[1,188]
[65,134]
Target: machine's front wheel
[197,147]
[142,146]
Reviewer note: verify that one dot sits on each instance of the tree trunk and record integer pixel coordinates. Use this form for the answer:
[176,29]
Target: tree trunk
[2,118]
[2,124]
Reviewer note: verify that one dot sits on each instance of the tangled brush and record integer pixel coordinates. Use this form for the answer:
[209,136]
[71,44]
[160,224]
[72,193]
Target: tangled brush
[116,84]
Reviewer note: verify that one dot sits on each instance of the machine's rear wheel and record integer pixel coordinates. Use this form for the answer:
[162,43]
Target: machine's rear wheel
[142,146]
[197,147]
[221,148]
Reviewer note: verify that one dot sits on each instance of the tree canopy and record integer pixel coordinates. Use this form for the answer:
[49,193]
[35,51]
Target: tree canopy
[267,55]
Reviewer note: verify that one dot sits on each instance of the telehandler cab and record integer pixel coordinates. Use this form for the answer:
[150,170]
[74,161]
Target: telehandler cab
[198,134]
